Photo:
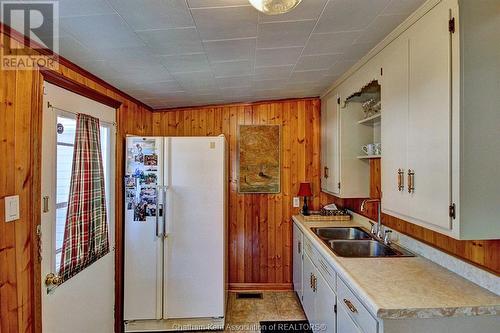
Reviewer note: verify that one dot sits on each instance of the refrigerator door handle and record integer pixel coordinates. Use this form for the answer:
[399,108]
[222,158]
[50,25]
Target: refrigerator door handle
[166,224]
[159,211]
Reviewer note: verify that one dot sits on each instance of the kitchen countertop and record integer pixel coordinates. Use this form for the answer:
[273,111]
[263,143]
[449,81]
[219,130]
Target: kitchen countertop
[405,287]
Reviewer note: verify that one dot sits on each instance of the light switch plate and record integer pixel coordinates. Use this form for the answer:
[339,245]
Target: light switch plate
[296,202]
[11,208]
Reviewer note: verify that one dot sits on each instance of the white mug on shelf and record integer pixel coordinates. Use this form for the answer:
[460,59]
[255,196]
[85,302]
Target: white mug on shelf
[369,149]
[378,148]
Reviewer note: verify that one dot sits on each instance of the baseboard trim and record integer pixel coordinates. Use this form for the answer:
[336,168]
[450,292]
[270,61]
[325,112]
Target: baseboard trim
[259,286]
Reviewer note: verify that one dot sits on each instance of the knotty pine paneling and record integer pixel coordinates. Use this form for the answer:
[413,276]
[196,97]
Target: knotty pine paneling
[260,230]
[482,253]
[20,127]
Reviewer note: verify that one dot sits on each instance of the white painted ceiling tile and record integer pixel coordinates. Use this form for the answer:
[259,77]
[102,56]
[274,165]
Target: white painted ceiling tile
[154,14]
[101,31]
[380,27]
[72,49]
[402,7]
[270,84]
[68,8]
[230,49]
[284,34]
[273,72]
[306,76]
[172,41]
[347,15]
[186,63]
[234,82]
[225,22]
[311,62]
[357,51]
[216,3]
[196,81]
[232,68]
[332,42]
[277,56]
[341,67]
[306,10]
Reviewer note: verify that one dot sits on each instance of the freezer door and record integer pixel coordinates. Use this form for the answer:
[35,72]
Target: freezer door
[195,228]
[143,265]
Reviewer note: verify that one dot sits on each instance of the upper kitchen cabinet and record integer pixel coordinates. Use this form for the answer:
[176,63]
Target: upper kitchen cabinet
[346,173]
[440,126]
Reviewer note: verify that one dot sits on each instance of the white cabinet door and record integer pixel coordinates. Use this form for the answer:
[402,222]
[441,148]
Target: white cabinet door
[308,296]
[394,97]
[325,317]
[297,261]
[332,141]
[344,322]
[429,117]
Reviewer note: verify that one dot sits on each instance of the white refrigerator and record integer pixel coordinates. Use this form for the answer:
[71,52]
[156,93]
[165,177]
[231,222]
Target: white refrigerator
[175,233]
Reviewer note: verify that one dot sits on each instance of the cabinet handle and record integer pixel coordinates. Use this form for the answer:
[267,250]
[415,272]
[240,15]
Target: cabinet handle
[401,180]
[351,306]
[411,181]
[311,281]
[299,246]
[325,172]
[315,283]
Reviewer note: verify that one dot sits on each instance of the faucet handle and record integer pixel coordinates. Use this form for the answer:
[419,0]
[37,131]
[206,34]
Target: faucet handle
[387,237]
[374,229]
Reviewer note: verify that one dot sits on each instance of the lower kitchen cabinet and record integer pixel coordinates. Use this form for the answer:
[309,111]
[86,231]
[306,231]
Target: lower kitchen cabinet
[308,294]
[344,322]
[297,261]
[324,306]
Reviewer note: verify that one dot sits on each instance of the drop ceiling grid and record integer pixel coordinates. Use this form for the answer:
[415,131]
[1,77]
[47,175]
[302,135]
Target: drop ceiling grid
[171,53]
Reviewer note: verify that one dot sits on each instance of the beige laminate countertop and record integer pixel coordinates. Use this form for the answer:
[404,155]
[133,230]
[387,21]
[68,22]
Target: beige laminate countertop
[408,287]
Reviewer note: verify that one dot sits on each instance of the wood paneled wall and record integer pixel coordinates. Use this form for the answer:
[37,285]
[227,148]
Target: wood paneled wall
[482,253]
[260,230]
[20,124]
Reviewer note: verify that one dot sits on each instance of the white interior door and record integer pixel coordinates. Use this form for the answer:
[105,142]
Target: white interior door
[84,303]
[195,228]
[429,117]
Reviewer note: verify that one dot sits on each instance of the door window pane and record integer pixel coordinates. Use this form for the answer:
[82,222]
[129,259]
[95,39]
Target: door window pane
[66,126]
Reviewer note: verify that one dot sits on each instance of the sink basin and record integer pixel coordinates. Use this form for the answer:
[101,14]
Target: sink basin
[365,248]
[340,233]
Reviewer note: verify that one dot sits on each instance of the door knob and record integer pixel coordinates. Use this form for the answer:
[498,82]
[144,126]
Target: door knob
[52,280]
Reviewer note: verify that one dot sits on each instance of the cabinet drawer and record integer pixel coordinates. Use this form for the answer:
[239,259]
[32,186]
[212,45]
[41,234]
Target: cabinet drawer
[355,308]
[328,272]
[310,250]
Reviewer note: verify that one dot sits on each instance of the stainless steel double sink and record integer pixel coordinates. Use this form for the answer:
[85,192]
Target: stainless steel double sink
[356,243]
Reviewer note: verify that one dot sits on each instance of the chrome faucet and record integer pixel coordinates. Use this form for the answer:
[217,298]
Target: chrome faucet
[377,229]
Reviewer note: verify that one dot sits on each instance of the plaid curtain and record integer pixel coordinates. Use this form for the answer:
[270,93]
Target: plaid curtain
[86,231]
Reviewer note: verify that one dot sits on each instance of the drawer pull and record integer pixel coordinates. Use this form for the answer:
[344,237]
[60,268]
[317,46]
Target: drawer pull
[351,306]
[311,281]
[315,283]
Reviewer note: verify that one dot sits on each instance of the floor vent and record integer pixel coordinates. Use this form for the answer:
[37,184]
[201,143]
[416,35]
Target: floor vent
[248,295]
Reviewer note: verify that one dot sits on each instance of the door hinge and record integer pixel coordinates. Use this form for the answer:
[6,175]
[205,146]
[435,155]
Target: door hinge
[381,71]
[452,211]
[338,100]
[338,185]
[451,25]
[335,308]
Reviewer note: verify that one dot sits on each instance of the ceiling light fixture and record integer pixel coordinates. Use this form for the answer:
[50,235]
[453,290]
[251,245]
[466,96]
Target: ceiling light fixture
[274,7]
